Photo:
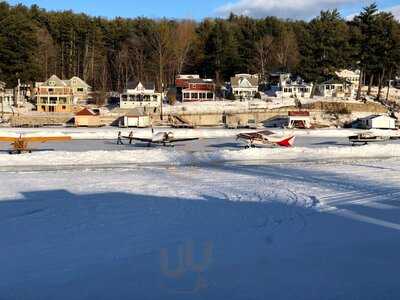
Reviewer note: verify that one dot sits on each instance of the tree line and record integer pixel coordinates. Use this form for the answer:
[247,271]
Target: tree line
[108,53]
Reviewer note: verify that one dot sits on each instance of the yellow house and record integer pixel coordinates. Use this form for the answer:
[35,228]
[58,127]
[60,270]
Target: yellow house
[56,95]
[53,95]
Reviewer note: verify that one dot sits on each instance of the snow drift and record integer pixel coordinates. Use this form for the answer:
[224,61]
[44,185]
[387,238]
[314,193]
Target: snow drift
[205,133]
[181,157]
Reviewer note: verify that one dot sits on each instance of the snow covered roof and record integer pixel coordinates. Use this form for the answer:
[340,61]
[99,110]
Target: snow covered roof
[137,83]
[336,81]
[86,112]
[244,80]
[371,117]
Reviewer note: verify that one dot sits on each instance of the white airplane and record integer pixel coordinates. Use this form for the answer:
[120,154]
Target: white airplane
[367,137]
[161,138]
[265,138]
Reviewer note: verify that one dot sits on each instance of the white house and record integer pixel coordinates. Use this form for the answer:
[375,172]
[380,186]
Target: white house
[286,87]
[138,94]
[350,76]
[336,88]
[244,86]
[378,122]
[6,98]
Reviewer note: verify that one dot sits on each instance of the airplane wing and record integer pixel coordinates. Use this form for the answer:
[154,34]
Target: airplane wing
[138,139]
[44,139]
[183,140]
[5,139]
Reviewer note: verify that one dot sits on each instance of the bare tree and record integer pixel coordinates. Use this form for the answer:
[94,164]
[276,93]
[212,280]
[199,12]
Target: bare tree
[264,54]
[46,54]
[286,50]
[161,44]
[183,41]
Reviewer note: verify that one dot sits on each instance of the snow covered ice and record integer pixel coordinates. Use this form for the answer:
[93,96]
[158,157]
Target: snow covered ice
[316,222]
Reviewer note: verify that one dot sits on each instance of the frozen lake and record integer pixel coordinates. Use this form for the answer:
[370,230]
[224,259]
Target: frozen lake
[105,227]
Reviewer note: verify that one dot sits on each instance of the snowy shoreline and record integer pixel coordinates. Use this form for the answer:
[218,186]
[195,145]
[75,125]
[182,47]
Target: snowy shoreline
[111,133]
[180,157]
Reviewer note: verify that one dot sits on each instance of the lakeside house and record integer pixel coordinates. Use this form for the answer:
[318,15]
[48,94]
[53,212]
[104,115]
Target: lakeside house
[336,88]
[56,95]
[350,76]
[284,85]
[378,122]
[6,98]
[138,94]
[53,95]
[193,88]
[80,90]
[244,86]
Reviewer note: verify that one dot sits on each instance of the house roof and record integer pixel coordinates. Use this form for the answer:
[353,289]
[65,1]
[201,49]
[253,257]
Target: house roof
[336,81]
[376,116]
[86,112]
[201,80]
[147,85]
[79,81]
[57,81]
[244,81]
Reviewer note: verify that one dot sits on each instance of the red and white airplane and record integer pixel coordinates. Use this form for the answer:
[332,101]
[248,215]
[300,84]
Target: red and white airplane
[265,138]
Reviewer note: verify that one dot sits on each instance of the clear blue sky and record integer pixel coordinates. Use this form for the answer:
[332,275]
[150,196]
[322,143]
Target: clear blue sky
[194,9]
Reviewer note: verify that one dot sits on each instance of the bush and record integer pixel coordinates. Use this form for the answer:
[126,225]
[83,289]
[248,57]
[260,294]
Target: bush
[230,96]
[338,108]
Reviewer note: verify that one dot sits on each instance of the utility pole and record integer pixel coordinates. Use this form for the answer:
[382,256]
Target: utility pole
[2,107]
[162,99]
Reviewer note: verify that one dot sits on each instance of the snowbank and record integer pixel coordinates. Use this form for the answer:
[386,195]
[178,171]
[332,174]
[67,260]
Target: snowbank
[111,133]
[180,157]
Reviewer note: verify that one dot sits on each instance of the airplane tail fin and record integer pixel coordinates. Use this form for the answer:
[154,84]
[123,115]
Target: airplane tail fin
[288,142]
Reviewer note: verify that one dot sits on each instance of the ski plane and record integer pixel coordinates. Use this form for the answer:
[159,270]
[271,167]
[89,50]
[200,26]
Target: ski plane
[160,138]
[265,138]
[20,144]
[367,137]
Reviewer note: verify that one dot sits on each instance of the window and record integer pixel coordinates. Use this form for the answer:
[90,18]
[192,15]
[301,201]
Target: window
[64,107]
[210,96]
[80,90]
[186,95]
[43,108]
[195,95]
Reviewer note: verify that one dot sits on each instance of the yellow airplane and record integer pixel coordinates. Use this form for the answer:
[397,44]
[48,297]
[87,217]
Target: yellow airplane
[20,144]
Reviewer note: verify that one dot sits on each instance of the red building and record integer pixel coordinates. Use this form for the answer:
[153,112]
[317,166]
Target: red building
[193,88]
